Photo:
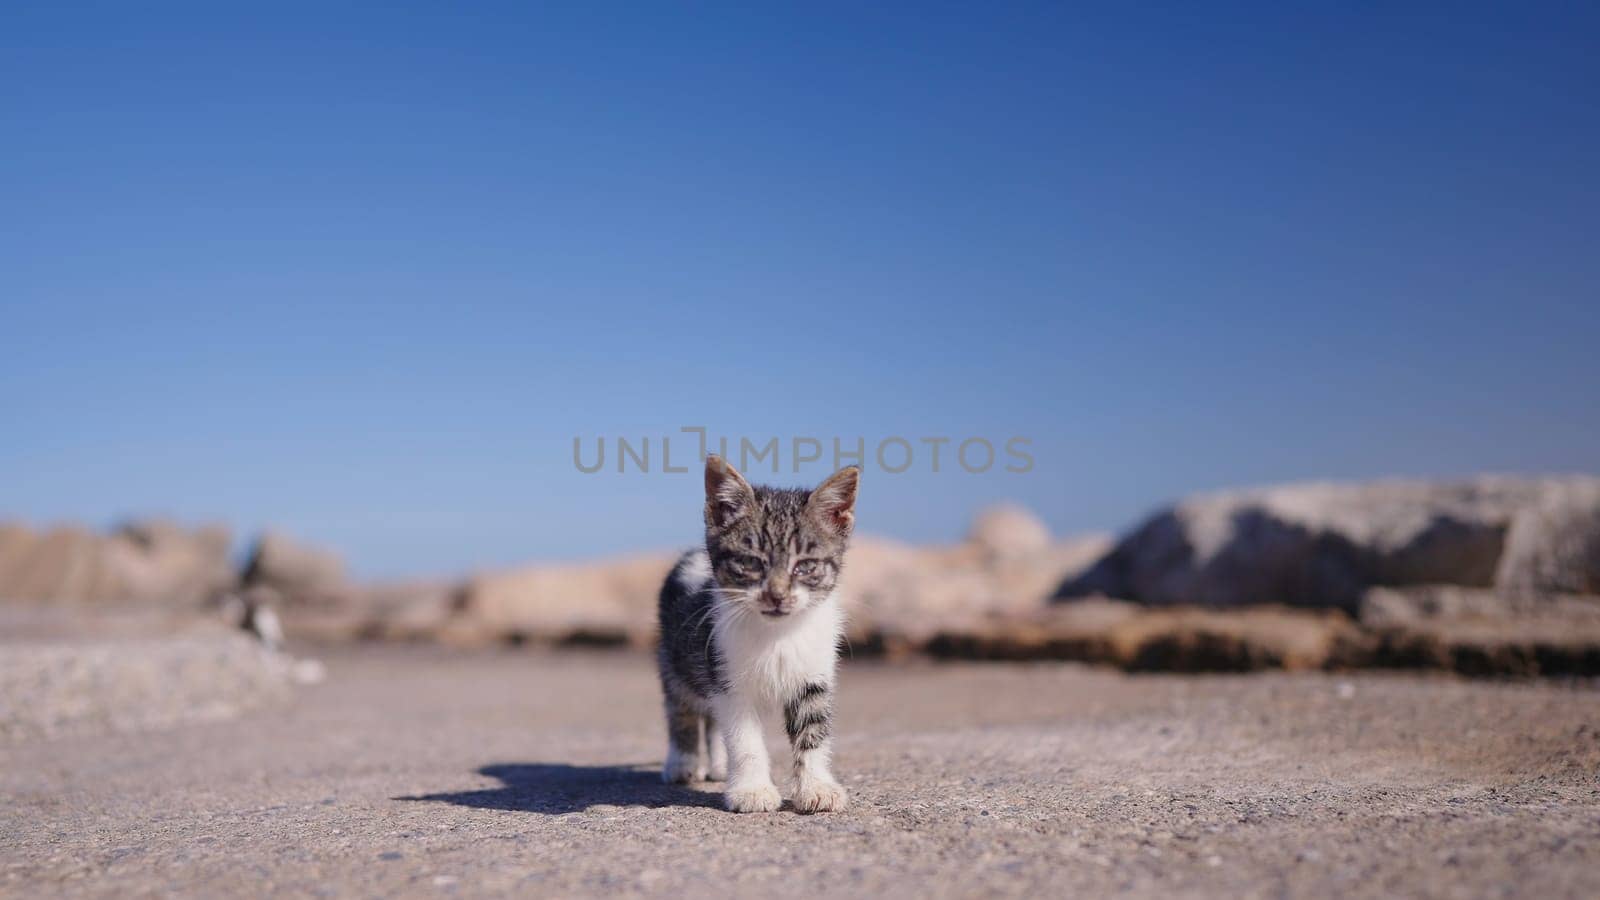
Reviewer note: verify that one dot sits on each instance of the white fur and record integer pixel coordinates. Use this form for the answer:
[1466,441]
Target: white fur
[695,573]
[716,755]
[773,659]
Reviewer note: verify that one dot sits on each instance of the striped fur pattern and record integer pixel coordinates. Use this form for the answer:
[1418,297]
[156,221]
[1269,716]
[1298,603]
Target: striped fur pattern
[808,717]
[750,625]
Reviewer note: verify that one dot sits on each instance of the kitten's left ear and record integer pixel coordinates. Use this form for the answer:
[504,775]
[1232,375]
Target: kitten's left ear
[833,503]
[728,495]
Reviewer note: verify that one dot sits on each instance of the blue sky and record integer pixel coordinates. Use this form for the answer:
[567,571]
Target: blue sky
[363,274]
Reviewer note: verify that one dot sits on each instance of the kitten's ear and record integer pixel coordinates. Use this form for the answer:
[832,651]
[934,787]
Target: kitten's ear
[833,503]
[728,495]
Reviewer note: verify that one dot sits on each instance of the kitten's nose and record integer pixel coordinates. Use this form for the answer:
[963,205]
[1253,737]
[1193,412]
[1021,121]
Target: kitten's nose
[773,605]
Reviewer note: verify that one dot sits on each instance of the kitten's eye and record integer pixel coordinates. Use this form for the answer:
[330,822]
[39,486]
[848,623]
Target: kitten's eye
[748,567]
[808,570]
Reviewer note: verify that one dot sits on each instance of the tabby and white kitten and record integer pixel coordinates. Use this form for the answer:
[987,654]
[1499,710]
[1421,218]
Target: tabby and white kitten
[749,624]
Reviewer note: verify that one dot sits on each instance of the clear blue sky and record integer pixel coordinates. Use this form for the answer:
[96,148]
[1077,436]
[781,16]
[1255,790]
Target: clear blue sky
[363,273]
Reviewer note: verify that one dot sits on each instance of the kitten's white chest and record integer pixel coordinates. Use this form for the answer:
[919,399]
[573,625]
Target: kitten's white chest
[777,660]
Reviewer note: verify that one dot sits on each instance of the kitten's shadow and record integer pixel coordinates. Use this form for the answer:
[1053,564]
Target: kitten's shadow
[556,788]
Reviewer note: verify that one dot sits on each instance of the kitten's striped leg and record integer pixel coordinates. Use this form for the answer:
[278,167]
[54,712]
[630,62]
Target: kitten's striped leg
[683,744]
[808,718]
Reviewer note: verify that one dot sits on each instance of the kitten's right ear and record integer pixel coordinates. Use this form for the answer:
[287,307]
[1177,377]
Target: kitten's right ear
[728,495]
[833,503]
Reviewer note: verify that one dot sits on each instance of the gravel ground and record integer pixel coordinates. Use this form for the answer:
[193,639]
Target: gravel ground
[421,772]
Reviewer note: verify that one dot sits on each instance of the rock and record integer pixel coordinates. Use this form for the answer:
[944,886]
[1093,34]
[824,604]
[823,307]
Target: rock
[607,602]
[1483,632]
[299,572]
[1080,632]
[15,541]
[898,596]
[158,560]
[62,564]
[1490,647]
[140,562]
[1273,637]
[399,611]
[1008,531]
[1180,640]
[1383,607]
[1324,545]
[409,611]
[1554,543]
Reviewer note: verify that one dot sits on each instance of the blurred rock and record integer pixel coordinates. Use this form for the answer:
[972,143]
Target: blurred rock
[1324,545]
[1188,639]
[399,611]
[1489,647]
[160,561]
[1481,631]
[899,595]
[1200,640]
[607,602]
[410,611]
[1176,639]
[1008,531]
[1554,544]
[62,564]
[140,562]
[1384,607]
[299,572]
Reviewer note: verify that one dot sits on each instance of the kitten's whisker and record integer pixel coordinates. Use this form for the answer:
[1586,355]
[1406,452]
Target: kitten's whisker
[701,618]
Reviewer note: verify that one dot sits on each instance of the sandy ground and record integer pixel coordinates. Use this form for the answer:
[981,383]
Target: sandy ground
[420,772]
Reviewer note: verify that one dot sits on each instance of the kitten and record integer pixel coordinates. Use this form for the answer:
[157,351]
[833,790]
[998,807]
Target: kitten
[750,624]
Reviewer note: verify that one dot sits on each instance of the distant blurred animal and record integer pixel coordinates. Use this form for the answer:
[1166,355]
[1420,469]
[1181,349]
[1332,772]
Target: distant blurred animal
[251,611]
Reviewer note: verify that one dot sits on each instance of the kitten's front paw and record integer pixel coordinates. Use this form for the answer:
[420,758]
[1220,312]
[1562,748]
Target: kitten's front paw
[716,772]
[756,799]
[820,796]
[682,769]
